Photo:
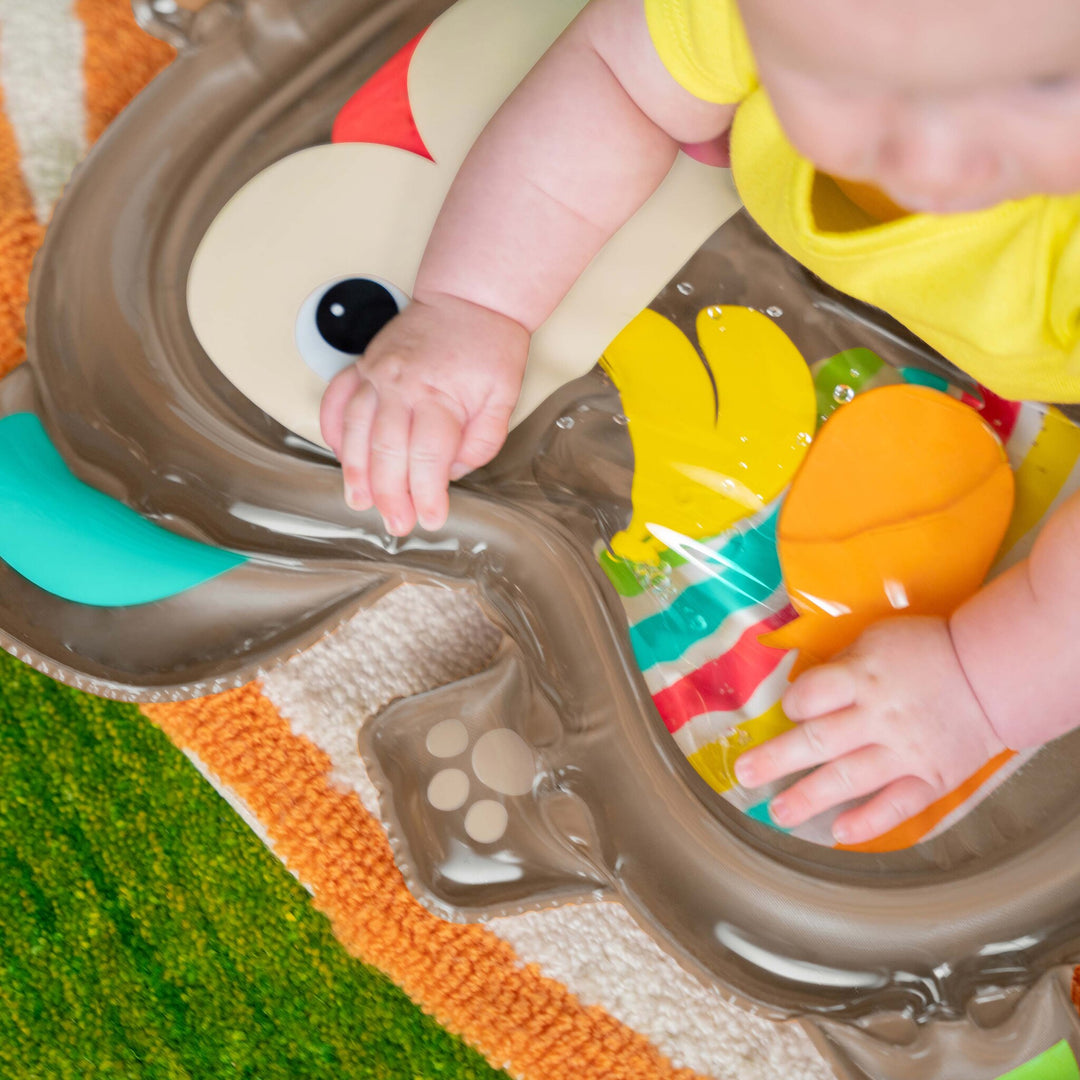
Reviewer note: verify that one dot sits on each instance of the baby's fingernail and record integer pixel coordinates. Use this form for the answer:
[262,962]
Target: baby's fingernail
[429,522]
[357,499]
[842,833]
[457,470]
[395,526]
[779,810]
[745,772]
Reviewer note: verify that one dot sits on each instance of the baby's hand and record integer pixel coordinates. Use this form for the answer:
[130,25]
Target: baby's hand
[428,402]
[894,712]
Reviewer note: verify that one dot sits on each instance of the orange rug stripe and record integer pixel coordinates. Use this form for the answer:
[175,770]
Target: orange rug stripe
[120,59]
[463,975]
[20,235]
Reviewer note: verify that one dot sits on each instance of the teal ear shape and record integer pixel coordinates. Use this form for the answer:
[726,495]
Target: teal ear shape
[81,545]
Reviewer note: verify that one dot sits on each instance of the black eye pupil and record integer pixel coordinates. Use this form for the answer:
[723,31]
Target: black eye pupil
[352,312]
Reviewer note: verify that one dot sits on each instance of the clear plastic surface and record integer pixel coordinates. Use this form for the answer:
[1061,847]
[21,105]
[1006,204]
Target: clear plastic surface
[631,541]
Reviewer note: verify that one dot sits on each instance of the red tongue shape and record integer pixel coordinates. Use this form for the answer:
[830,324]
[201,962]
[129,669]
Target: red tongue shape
[379,112]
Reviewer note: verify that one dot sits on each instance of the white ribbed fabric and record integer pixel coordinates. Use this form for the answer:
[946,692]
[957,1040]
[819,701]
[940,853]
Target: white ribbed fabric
[41,53]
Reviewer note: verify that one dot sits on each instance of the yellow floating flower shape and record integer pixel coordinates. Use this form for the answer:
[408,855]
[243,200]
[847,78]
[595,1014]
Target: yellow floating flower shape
[713,442]
[899,508]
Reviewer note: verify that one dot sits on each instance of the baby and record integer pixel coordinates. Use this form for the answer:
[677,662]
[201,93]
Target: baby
[924,156]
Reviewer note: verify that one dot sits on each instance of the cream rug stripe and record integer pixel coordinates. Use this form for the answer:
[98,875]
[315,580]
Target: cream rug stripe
[41,68]
[600,953]
[414,639]
[417,638]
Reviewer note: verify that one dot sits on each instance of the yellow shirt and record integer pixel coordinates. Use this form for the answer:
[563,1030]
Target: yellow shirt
[996,291]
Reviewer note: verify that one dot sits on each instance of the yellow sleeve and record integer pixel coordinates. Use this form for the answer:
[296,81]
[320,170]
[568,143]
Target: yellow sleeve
[703,44]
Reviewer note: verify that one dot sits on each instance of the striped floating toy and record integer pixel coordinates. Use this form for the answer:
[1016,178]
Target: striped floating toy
[705,613]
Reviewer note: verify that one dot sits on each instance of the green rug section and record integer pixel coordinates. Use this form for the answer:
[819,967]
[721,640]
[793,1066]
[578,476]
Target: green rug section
[145,931]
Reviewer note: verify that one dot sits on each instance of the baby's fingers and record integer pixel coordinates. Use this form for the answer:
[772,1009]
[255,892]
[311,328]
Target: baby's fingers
[808,744]
[895,804]
[819,691]
[848,777]
[354,443]
[483,437]
[390,431]
[434,442]
[343,387]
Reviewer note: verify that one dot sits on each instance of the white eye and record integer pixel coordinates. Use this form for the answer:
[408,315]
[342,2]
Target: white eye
[338,320]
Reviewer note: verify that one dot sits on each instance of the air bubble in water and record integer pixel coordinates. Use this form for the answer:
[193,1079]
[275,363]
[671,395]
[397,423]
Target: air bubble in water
[714,312]
[774,311]
[621,419]
[805,438]
[842,393]
[565,422]
[685,288]
[660,587]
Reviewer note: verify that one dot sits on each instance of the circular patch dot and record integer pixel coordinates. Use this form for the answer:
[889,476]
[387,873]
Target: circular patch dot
[503,760]
[448,790]
[447,739]
[485,821]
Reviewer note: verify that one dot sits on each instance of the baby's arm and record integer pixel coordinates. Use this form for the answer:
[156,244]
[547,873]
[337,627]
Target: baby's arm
[919,704]
[570,156]
[1018,639]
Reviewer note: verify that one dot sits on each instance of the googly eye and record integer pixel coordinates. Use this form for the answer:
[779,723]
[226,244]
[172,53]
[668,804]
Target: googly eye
[338,320]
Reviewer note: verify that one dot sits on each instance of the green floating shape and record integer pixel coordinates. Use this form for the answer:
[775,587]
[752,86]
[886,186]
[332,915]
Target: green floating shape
[81,545]
[620,571]
[852,367]
[1057,1063]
